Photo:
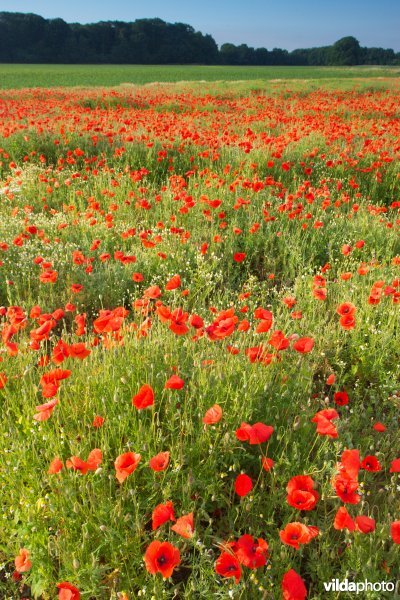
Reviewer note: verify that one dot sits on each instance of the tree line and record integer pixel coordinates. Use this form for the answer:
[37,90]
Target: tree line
[30,38]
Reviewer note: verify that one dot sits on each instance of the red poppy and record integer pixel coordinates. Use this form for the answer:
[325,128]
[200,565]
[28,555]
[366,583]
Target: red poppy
[331,379]
[254,434]
[395,466]
[162,557]
[67,591]
[45,410]
[350,462]
[173,283]
[341,398]
[55,466]
[3,380]
[78,350]
[138,277]
[345,309]
[92,463]
[365,524]
[152,292]
[267,463]
[213,415]
[395,532]
[144,397]
[243,485]
[347,322]
[323,420]
[174,383]
[304,345]
[346,487]
[295,534]
[379,427]
[301,493]
[22,562]
[125,464]
[251,552]
[343,520]
[98,421]
[239,257]
[184,526]
[161,514]
[227,565]
[293,587]
[371,463]
[160,461]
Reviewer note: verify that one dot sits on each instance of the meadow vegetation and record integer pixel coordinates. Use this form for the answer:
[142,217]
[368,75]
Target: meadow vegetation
[198,283]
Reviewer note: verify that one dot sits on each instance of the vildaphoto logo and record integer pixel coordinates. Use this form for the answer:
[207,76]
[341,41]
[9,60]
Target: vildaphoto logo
[336,585]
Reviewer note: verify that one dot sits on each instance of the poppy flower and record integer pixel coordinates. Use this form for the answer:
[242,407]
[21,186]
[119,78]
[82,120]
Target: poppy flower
[324,419]
[251,552]
[293,587]
[67,591]
[159,462]
[55,466]
[395,532]
[162,557]
[304,345]
[161,514]
[254,434]
[213,415]
[295,534]
[371,463]
[267,463]
[125,464]
[173,283]
[331,379]
[78,350]
[347,322]
[196,321]
[3,380]
[239,257]
[341,398]
[22,562]
[343,520]
[345,309]
[364,524]
[380,427]
[98,421]
[395,466]
[346,487]
[227,565]
[184,526]
[174,383]
[301,493]
[243,485]
[350,462]
[45,410]
[92,463]
[152,292]
[144,397]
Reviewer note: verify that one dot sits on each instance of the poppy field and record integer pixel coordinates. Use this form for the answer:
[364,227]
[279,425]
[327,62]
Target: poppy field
[199,315]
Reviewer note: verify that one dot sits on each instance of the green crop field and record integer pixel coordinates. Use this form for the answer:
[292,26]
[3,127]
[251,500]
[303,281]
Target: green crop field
[21,76]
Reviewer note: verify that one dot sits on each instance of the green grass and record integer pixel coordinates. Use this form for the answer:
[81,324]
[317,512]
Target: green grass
[22,76]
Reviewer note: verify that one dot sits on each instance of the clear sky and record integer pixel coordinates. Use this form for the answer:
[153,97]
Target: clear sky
[268,23]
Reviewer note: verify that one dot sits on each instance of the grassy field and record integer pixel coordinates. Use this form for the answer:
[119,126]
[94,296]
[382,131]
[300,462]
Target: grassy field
[23,76]
[200,340]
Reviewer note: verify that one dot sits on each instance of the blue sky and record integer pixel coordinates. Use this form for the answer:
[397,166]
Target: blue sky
[269,23]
